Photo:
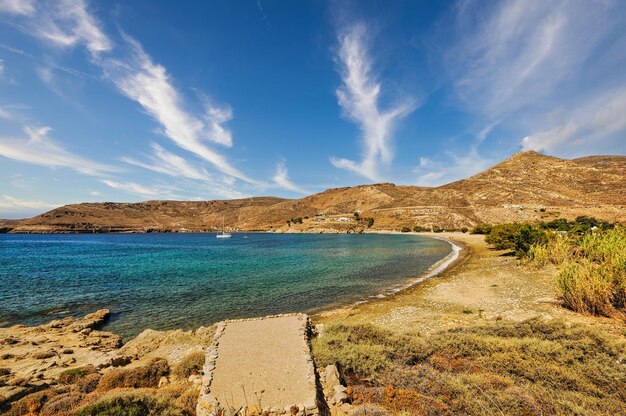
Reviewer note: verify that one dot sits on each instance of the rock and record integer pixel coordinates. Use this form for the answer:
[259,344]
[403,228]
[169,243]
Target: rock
[339,397]
[340,389]
[9,341]
[60,323]
[121,360]
[195,379]
[98,317]
[91,321]
[310,404]
[163,381]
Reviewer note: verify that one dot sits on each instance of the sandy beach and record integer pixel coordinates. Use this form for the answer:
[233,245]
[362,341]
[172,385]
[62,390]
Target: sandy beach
[479,284]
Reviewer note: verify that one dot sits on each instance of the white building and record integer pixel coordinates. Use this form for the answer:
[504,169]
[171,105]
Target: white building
[343,219]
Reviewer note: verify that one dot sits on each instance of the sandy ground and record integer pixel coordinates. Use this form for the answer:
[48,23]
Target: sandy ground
[262,360]
[483,284]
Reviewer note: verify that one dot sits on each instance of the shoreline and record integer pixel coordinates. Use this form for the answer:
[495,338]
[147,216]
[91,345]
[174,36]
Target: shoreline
[459,254]
[433,271]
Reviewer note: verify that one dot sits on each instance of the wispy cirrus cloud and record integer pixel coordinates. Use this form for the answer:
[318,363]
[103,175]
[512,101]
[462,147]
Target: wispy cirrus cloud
[39,149]
[449,168]
[170,164]
[5,114]
[281,178]
[69,24]
[8,202]
[137,189]
[359,97]
[17,7]
[510,54]
[148,83]
[600,122]
[519,62]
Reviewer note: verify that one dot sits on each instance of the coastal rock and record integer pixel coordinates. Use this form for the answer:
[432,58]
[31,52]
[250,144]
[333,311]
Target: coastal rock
[91,321]
[121,360]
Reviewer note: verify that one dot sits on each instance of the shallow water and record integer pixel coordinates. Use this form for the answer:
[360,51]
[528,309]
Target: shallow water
[164,281]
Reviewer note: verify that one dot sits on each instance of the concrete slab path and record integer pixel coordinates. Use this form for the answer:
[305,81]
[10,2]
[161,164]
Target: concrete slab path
[261,364]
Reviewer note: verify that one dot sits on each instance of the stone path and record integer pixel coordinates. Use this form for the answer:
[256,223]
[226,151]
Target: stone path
[260,365]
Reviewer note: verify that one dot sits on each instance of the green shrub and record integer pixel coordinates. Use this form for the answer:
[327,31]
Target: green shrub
[586,287]
[370,222]
[420,229]
[437,229]
[559,224]
[592,276]
[481,229]
[145,376]
[516,237]
[191,364]
[405,229]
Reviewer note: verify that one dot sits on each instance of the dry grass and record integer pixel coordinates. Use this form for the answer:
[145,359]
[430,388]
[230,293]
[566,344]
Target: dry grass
[191,364]
[135,402]
[55,401]
[73,375]
[147,375]
[533,367]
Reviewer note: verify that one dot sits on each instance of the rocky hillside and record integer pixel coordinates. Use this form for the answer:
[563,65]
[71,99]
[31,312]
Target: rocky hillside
[526,187]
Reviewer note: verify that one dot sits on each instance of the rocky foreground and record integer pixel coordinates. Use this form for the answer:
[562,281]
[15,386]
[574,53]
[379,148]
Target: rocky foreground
[34,358]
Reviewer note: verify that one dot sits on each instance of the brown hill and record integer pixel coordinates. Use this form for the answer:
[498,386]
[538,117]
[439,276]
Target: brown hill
[526,187]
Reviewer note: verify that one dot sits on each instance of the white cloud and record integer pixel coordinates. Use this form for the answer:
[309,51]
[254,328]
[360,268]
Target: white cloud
[600,120]
[517,52]
[452,168]
[67,23]
[47,76]
[281,178]
[5,114]
[8,202]
[138,189]
[17,7]
[139,78]
[148,84]
[170,164]
[39,149]
[215,117]
[359,99]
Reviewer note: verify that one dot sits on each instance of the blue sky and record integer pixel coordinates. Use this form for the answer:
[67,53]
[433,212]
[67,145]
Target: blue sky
[128,101]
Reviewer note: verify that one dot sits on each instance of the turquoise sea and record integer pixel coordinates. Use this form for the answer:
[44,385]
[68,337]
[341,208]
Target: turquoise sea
[164,281]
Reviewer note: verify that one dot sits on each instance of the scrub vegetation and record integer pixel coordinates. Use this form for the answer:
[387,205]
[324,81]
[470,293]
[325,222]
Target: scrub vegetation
[500,367]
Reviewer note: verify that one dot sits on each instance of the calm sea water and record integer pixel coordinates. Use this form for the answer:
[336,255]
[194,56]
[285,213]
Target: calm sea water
[164,281]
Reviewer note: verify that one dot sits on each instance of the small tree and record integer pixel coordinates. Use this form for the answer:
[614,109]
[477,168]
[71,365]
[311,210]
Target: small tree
[405,229]
[370,222]
[481,229]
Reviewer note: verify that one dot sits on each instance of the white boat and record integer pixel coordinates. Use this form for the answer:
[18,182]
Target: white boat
[223,234]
